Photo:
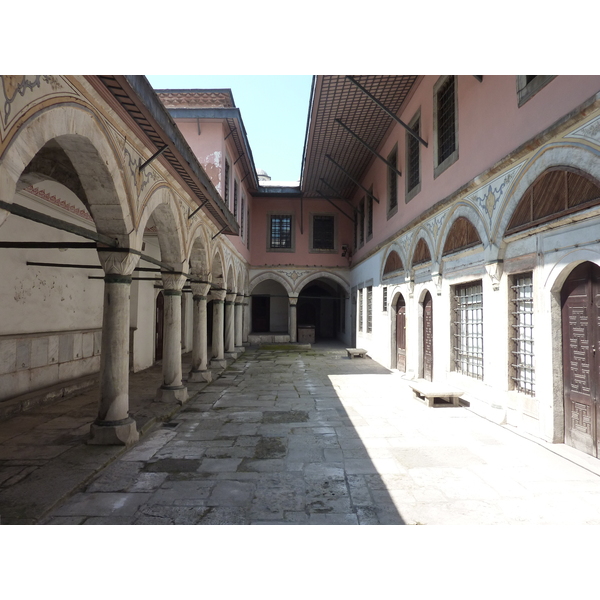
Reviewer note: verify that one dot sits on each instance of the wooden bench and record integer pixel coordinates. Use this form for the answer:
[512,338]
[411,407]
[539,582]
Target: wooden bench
[352,352]
[428,391]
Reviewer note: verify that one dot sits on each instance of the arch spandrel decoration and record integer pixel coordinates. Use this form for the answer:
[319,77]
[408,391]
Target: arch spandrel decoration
[557,192]
[462,235]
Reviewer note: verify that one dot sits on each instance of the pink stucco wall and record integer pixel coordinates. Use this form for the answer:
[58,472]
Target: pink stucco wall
[490,126]
[302,256]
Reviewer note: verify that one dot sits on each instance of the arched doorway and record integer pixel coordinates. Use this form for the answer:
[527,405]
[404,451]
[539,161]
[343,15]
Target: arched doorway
[580,307]
[321,305]
[270,307]
[401,334]
[428,337]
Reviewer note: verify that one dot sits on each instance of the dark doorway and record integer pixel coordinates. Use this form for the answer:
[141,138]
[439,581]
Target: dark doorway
[580,301]
[160,319]
[319,306]
[401,335]
[428,337]
[261,310]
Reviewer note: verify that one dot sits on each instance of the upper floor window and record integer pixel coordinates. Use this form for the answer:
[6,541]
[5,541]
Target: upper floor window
[322,234]
[413,159]
[370,216]
[393,183]
[280,232]
[226,186]
[529,85]
[445,123]
[235,198]
[361,223]
[242,215]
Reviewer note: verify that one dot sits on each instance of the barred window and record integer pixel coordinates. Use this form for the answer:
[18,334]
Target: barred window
[369,217]
[361,222]
[385,298]
[446,122]
[360,310]
[392,181]
[281,231]
[468,329]
[242,215]
[235,198]
[523,371]
[226,196]
[413,175]
[323,232]
[369,309]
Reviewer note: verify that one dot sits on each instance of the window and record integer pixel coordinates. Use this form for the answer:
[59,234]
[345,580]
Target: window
[392,183]
[322,234]
[445,121]
[242,215]
[385,298]
[226,187]
[523,372]
[361,223]
[370,309]
[360,310]
[248,226]
[370,216]
[280,233]
[529,85]
[468,329]
[413,159]
[235,198]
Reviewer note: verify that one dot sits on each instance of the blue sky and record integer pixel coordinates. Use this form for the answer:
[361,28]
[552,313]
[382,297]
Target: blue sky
[274,110]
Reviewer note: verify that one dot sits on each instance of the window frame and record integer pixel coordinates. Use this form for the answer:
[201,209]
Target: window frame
[369,324]
[369,219]
[360,222]
[522,360]
[409,194]
[226,182]
[312,249]
[360,309]
[392,182]
[440,167]
[270,216]
[527,90]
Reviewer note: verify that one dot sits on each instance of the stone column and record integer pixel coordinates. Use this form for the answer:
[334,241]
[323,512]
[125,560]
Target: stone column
[218,346]
[172,389]
[293,322]
[199,371]
[239,307]
[114,426]
[230,325]
[246,318]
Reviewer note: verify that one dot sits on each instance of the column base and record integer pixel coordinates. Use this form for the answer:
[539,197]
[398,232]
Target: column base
[231,355]
[172,394]
[240,349]
[200,376]
[218,363]
[114,433]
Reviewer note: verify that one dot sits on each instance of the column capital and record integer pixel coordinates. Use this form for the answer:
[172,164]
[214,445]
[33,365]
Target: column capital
[230,297]
[293,300]
[173,281]
[118,262]
[218,294]
[239,299]
[200,289]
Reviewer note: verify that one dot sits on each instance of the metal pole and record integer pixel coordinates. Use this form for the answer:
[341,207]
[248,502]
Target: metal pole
[331,202]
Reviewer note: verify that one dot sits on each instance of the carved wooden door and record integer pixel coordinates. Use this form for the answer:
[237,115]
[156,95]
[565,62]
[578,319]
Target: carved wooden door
[580,299]
[401,335]
[428,337]
[160,319]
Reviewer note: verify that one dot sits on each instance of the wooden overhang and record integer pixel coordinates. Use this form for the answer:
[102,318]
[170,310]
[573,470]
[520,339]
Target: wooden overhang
[134,99]
[337,97]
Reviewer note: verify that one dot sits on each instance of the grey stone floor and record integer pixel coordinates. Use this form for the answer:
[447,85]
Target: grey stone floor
[311,437]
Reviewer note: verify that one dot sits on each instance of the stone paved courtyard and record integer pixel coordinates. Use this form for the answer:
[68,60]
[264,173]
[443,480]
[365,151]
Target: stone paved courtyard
[312,437]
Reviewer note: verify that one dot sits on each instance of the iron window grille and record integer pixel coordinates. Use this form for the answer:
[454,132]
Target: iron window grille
[523,369]
[369,217]
[323,232]
[392,181]
[360,310]
[385,298]
[468,329]
[235,198]
[226,183]
[413,175]
[242,215]
[369,309]
[446,128]
[281,231]
[361,222]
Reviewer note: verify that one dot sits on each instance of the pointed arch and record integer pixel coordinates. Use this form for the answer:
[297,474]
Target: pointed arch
[304,281]
[460,236]
[199,254]
[392,263]
[270,275]
[420,249]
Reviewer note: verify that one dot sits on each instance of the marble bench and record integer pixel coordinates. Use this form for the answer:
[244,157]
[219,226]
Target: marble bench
[428,391]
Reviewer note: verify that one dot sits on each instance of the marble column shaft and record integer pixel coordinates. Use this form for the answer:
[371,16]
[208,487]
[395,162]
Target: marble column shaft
[229,323]
[113,424]
[246,320]
[293,322]
[199,371]
[218,346]
[238,320]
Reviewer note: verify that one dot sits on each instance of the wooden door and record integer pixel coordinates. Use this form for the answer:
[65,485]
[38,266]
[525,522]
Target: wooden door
[580,299]
[160,319]
[428,337]
[401,335]
[261,309]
